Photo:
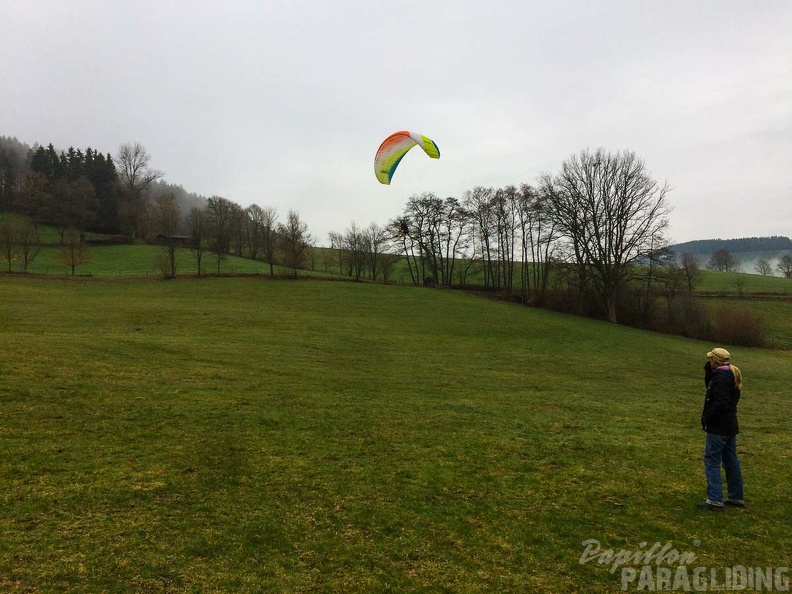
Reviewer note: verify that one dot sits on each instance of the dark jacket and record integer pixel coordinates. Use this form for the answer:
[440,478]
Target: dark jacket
[720,405]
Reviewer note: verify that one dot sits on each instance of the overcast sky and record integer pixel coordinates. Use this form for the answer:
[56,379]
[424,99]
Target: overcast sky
[284,102]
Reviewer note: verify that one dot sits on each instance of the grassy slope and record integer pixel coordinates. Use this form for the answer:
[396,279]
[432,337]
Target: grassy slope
[726,282]
[142,260]
[776,314]
[247,435]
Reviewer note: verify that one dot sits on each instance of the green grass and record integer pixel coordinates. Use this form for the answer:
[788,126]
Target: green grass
[727,283]
[115,261]
[775,312]
[136,260]
[247,435]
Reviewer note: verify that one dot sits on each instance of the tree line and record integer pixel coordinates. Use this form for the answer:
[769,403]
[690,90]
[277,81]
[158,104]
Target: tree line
[775,243]
[593,225]
[723,260]
[82,191]
[591,236]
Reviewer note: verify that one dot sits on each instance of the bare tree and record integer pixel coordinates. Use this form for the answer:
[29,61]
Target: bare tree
[763,267]
[239,229]
[399,230]
[691,268]
[167,217]
[34,197]
[312,255]
[354,249]
[785,265]
[269,236]
[537,237]
[611,212]
[19,241]
[440,230]
[335,255]
[454,238]
[722,261]
[198,225]
[294,241]
[478,202]
[423,212]
[28,241]
[505,208]
[375,239]
[255,229]
[672,280]
[74,251]
[739,282]
[71,204]
[221,213]
[135,175]
[386,262]
[9,246]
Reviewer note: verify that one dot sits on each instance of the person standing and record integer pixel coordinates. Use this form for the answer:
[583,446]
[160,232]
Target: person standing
[719,420]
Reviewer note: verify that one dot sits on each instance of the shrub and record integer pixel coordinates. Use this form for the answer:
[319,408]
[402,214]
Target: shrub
[689,317]
[738,326]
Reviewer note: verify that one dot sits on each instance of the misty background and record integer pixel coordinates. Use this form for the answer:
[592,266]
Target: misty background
[284,103]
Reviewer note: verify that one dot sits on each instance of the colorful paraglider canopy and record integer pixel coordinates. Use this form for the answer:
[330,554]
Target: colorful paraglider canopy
[393,149]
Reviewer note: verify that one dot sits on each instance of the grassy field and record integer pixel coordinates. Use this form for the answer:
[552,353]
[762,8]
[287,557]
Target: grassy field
[711,281]
[732,283]
[123,261]
[775,312]
[115,261]
[247,435]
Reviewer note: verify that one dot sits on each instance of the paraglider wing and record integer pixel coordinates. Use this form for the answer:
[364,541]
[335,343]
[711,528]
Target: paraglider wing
[393,149]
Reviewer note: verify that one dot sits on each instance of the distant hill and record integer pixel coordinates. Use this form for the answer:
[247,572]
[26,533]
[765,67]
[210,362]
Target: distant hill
[775,243]
[747,250]
[705,247]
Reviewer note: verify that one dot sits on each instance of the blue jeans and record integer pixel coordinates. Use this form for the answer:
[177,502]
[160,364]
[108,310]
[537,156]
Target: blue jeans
[722,450]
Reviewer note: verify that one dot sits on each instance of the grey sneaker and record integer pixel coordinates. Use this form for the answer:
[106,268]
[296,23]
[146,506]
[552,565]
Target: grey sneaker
[735,502]
[710,505]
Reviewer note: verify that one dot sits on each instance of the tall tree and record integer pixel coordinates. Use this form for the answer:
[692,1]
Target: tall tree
[354,251]
[255,229]
[239,229]
[763,267]
[74,251]
[9,244]
[785,265]
[69,204]
[47,162]
[294,241]
[13,157]
[101,172]
[611,212]
[505,207]
[478,202]
[375,239]
[34,198]
[336,251]
[537,237]
[269,236]
[691,268]
[399,230]
[221,211]
[198,227]
[722,261]
[135,175]
[28,241]
[167,221]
